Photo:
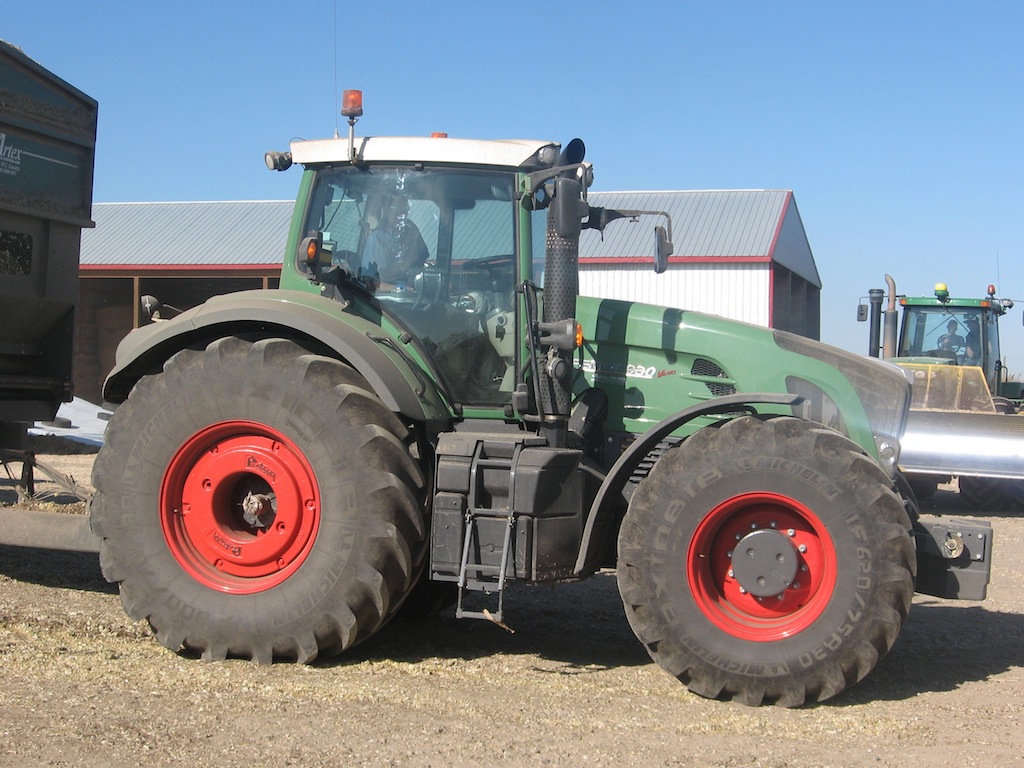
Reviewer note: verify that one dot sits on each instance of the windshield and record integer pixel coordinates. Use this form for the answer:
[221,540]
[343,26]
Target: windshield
[437,247]
[957,334]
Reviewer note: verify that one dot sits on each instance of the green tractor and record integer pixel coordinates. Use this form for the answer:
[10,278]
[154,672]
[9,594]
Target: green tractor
[426,413]
[961,392]
[944,330]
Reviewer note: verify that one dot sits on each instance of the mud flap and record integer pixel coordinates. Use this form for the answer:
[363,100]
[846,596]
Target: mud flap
[954,557]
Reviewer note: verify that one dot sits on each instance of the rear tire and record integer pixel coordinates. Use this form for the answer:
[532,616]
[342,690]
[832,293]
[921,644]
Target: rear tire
[826,575]
[334,536]
[991,494]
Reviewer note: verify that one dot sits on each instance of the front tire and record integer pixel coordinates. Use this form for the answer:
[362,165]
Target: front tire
[991,494]
[768,561]
[258,501]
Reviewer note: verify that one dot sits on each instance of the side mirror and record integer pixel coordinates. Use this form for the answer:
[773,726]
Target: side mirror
[152,307]
[664,249]
[862,313]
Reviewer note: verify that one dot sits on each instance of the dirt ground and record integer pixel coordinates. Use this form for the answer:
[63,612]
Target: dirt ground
[85,686]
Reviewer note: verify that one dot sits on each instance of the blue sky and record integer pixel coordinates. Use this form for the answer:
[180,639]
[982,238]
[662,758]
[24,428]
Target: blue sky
[897,124]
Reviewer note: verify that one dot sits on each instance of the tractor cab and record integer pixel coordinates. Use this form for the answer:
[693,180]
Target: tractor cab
[433,249]
[953,331]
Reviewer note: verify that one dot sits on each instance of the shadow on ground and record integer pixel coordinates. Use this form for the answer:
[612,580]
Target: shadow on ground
[943,646]
[53,568]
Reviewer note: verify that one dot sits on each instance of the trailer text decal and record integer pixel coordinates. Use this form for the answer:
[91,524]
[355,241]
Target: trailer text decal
[10,157]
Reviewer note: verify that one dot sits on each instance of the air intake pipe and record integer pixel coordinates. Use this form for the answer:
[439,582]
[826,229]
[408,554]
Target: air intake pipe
[557,329]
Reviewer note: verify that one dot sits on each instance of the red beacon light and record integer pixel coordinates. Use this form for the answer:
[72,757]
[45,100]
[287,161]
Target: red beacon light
[352,108]
[352,104]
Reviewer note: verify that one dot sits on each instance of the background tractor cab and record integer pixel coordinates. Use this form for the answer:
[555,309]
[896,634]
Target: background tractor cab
[943,330]
[961,395]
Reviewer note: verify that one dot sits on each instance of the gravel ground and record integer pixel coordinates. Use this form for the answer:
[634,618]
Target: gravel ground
[85,686]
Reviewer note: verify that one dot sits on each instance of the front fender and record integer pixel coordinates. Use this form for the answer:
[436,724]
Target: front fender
[617,477]
[389,369]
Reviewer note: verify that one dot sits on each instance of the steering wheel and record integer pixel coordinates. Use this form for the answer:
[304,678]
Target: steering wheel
[951,343]
[471,302]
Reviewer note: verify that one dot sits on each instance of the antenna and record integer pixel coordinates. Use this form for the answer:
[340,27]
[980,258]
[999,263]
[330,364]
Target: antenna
[334,95]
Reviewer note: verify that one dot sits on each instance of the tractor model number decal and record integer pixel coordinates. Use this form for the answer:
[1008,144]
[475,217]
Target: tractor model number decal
[616,370]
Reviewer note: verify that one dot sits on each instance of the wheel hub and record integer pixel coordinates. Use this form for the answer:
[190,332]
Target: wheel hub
[258,509]
[765,562]
[240,508]
[761,566]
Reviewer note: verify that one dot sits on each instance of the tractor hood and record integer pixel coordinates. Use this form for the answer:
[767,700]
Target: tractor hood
[654,361]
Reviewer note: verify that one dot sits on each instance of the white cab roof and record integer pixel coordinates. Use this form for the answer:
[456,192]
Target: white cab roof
[507,153]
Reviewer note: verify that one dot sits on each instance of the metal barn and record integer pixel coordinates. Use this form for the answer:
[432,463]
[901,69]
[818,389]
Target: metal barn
[739,253]
[742,254]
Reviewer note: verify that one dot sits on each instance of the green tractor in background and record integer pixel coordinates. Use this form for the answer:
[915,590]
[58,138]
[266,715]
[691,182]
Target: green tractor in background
[961,392]
[426,412]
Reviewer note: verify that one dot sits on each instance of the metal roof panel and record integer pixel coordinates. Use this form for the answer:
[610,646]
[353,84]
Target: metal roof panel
[187,233]
[725,224]
[710,223]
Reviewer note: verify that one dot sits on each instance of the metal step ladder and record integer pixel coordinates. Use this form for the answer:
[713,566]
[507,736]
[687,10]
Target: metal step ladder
[474,574]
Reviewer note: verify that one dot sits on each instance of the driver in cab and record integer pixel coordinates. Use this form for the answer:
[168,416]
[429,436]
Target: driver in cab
[395,246]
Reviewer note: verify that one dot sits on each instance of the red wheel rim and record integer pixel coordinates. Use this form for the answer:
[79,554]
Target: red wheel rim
[202,500]
[721,596]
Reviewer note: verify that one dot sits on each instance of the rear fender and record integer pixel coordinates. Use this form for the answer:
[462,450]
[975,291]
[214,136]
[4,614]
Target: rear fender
[384,363]
[610,493]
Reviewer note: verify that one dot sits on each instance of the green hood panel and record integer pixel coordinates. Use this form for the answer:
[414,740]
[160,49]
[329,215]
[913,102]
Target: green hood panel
[654,361]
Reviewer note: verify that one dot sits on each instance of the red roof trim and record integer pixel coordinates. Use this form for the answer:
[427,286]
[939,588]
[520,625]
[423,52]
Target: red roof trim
[677,259]
[179,267]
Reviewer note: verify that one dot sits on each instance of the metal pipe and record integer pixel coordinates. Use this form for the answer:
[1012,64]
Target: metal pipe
[561,286]
[874,316]
[891,322]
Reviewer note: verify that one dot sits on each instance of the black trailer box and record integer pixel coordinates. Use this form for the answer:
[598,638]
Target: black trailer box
[47,150]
